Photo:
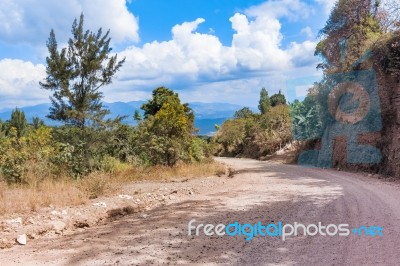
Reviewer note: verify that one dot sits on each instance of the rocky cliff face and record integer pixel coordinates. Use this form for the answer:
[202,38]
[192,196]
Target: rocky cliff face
[389,143]
[387,140]
[386,65]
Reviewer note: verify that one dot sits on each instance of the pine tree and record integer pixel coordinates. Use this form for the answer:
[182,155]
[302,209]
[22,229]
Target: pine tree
[75,75]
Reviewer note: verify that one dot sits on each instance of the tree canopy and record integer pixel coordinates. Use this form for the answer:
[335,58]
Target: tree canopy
[160,96]
[75,75]
[165,135]
[278,99]
[245,112]
[18,122]
[351,28]
[264,104]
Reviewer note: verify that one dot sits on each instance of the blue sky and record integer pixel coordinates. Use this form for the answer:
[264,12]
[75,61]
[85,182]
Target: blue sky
[155,22]
[207,50]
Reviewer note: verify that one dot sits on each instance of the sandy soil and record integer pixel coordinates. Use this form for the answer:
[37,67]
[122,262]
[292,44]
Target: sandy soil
[259,191]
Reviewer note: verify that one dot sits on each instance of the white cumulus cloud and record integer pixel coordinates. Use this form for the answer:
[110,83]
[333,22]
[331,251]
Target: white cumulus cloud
[191,57]
[188,55]
[307,31]
[292,9]
[26,21]
[327,5]
[256,44]
[19,83]
[302,53]
[190,61]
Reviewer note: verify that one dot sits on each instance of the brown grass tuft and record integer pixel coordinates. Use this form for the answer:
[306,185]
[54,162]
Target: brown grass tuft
[98,184]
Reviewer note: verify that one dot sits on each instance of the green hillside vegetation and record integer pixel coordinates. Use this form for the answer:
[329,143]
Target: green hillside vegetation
[255,135]
[87,142]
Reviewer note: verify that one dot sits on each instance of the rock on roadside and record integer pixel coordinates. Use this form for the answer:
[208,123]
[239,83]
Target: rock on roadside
[58,226]
[21,239]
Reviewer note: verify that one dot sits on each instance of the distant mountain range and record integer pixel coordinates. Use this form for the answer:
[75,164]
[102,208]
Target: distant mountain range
[207,114]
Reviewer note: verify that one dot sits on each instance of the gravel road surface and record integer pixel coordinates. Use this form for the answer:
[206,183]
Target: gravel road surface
[269,192]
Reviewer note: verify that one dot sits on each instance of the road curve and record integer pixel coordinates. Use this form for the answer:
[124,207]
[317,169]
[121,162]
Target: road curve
[259,191]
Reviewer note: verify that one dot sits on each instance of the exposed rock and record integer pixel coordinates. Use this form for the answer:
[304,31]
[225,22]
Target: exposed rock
[55,213]
[21,239]
[58,226]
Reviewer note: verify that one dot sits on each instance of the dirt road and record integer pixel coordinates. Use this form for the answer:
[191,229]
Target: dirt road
[260,191]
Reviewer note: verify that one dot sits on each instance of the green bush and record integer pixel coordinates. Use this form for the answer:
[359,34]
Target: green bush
[112,165]
[254,136]
[231,136]
[165,136]
[199,150]
[26,157]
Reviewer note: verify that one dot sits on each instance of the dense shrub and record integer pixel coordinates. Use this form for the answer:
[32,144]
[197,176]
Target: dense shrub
[165,136]
[254,136]
[27,156]
[230,137]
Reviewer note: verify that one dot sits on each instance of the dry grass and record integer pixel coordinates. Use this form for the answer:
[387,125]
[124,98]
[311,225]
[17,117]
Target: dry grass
[98,184]
[182,171]
[21,199]
[66,192]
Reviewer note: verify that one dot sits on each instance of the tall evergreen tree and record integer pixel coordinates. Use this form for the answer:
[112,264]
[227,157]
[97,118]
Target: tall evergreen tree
[75,75]
[18,121]
[264,104]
